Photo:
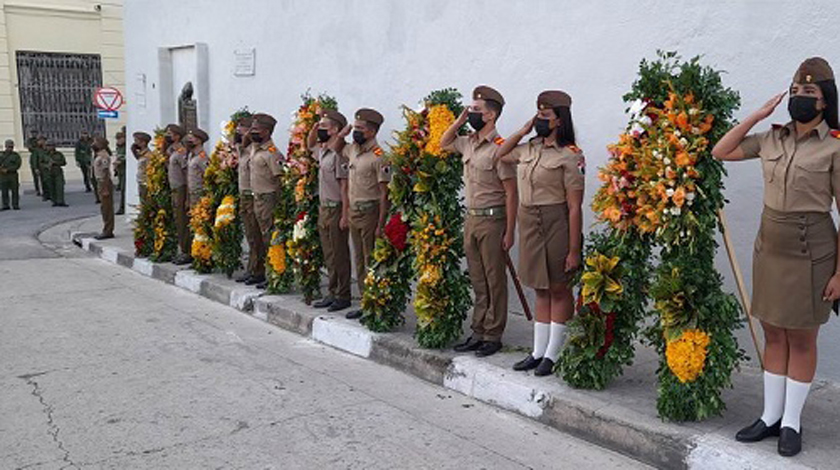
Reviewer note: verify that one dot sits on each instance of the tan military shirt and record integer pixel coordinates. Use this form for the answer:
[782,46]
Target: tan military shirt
[367,170]
[102,166]
[195,171]
[244,169]
[177,168]
[143,165]
[546,172]
[266,167]
[482,176]
[332,169]
[800,175]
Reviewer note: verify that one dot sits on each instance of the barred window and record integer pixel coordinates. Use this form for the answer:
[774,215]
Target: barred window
[56,94]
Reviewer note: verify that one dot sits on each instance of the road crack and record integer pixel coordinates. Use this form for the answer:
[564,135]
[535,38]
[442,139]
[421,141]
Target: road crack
[52,428]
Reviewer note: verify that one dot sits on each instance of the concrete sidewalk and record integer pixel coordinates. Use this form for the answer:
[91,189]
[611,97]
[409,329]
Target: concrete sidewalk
[622,418]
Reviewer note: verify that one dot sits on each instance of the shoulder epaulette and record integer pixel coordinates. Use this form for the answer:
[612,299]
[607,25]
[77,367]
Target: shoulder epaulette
[835,133]
[378,151]
[272,149]
[575,149]
[499,140]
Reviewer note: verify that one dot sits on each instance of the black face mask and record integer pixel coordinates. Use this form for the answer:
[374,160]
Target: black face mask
[803,108]
[168,140]
[541,126]
[257,138]
[323,135]
[237,138]
[476,121]
[359,137]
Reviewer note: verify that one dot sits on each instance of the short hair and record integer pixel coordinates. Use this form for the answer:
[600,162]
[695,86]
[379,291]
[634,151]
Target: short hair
[494,106]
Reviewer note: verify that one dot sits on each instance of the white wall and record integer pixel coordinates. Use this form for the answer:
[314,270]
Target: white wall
[383,53]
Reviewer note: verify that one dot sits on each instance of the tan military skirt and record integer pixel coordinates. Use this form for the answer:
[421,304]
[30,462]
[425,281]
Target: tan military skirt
[793,259]
[543,245]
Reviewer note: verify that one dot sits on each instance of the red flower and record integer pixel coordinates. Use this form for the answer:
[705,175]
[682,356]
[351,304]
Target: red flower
[609,334]
[301,216]
[396,231]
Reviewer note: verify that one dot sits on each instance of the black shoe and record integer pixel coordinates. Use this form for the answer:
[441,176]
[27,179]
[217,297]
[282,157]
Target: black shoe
[61,205]
[87,190]
[253,280]
[338,305]
[470,344]
[5,209]
[98,201]
[790,442]
[527,364]
[546,367]
[16,208]
[261,285]
[323,303]
[119,213]
[355,314]
[243,278]
[758,431]
[104,236]
[488,348]
[182,260]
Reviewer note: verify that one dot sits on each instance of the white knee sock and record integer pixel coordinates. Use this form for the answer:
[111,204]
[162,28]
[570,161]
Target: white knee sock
[774,398]
[541,332]
[795,396]
[555,342]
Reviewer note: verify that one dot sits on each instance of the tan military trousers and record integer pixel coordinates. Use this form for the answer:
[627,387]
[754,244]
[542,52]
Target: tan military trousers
[264,205]
[105,190]
[486,262]
[336,251]
[181,216]
[252,235]
[363,231]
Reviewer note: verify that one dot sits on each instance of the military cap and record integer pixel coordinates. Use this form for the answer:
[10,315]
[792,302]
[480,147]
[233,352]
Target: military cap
[245,121]
[370,115]
[335,116]
[176,129]
[10,142]
[142,136]
[813,70]
[264,120]
[553,99]
[484,92]
[200,134]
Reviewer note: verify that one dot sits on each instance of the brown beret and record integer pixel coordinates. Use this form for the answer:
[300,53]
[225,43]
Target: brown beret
[100,141]
[484,92]
[142,136]
[370,115]
[200,134]
[553,99]
[264,120]
[245,121]
[176,129]
[335,116]
[813,70]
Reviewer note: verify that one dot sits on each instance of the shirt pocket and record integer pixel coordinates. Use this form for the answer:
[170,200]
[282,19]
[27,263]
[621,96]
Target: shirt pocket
[484,169]
[770,163]
[813,175]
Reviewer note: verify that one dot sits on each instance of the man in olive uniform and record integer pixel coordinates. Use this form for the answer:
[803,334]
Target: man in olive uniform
[140,150]
[177,173]
[31,145]
[84,157]
[105,185]
[197,165]
[266,163]
[333,212]
[57,162]
[367,188]
[242,145]
[9,165]
[492,203]
[119,166]
[44,168]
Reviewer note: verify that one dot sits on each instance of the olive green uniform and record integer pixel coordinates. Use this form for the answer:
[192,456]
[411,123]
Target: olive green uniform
[31,145]
[56,175]
[120,166]
[42,159]
[9,164]
[84,157]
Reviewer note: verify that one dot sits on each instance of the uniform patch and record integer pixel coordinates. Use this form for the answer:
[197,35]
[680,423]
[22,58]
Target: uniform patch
[499,140]
[835,134]
[582,165]
[378,152]
[575,148]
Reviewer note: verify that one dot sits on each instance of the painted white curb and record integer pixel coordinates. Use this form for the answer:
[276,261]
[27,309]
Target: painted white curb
[718,453]
[143,266]
[243,299]
[189,280]
[492,384]
[109,254]
[343,335]
[86,243]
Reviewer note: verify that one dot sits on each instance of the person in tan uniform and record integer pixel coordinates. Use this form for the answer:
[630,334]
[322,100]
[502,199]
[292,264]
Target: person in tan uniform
[105,186]
[367,189]
[333,211]
[177,174]
[796,274]
[242,144]
[266,163]
[140,149]
[197,162]
[550,181]
[491,217]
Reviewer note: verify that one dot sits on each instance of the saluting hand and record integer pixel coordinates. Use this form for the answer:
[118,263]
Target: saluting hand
[462,118]
[528,127]
[770,106]
[343,133]
[832,290]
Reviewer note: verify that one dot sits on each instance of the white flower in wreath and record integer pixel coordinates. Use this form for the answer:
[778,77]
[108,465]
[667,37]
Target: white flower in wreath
[667,161]
[676,211]
[684,142]
[669,192]
[636,109]
[299,232]
[224,128]
[689,196]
